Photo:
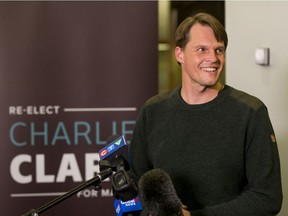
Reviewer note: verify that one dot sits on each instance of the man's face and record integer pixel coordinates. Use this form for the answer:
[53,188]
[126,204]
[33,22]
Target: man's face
[203,57]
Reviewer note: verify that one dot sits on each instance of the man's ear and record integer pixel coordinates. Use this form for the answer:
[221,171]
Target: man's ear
[179,55]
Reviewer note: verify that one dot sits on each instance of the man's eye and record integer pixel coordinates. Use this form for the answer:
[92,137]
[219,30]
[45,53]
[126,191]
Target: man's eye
[201,49]
[220,51]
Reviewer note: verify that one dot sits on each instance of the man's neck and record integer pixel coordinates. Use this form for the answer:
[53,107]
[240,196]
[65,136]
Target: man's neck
[200,94]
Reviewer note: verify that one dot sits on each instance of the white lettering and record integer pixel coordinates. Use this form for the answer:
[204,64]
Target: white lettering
[129,203]
[41,177]
[34,110]
[91,168]
[106,193]
[15,169]
[69,167]
[87,193]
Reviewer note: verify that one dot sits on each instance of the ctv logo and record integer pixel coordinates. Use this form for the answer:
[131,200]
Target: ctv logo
[118,142]
[103,153]
[111,148]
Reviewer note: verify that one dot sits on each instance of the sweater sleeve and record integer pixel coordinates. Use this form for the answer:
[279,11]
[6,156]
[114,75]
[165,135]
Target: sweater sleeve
[263,194]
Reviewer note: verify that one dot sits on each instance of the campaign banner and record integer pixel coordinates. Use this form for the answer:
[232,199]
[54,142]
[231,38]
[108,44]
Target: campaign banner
[72,73]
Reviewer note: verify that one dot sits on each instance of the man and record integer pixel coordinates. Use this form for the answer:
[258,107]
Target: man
[216,143]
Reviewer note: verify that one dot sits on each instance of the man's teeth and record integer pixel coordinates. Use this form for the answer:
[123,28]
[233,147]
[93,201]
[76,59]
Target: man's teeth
[209,69]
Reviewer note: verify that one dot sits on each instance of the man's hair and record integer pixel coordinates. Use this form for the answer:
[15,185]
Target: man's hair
[182,32]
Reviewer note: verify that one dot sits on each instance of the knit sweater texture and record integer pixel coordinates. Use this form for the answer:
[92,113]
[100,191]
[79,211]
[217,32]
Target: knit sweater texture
[222,155]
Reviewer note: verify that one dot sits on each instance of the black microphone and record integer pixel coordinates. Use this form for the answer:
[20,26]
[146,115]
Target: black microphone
[158,195]
[115,156]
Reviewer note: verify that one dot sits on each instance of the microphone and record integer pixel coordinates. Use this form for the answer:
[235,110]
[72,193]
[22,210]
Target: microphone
[115,154]
[158,194]
[128,208]
[115,157]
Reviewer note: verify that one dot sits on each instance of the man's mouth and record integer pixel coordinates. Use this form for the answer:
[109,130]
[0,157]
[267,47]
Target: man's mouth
[209,69]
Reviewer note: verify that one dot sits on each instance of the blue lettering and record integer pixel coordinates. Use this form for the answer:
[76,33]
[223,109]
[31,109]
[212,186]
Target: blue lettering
[43,133]
[12,132]
[61,129]
[85,133]
[68,134]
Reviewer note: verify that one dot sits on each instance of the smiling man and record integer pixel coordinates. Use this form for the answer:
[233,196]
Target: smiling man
[216,142]
[202,59]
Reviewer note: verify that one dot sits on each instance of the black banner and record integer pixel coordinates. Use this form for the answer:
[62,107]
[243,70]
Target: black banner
[71,75]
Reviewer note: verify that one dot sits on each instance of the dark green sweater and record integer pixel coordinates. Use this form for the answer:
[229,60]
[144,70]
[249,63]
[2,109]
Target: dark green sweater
[221,156]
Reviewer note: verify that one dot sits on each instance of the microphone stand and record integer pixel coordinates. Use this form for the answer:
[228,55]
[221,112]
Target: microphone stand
[92,182]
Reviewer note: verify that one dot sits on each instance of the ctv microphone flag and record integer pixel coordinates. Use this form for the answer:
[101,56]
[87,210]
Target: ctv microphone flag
[117,144]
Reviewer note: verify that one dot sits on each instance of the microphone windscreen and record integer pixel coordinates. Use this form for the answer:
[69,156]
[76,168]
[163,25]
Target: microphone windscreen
[158,195]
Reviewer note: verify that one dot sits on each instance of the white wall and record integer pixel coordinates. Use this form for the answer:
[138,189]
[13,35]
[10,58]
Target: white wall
[252,24]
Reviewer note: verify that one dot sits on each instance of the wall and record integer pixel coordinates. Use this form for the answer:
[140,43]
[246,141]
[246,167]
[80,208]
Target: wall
[253,24]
